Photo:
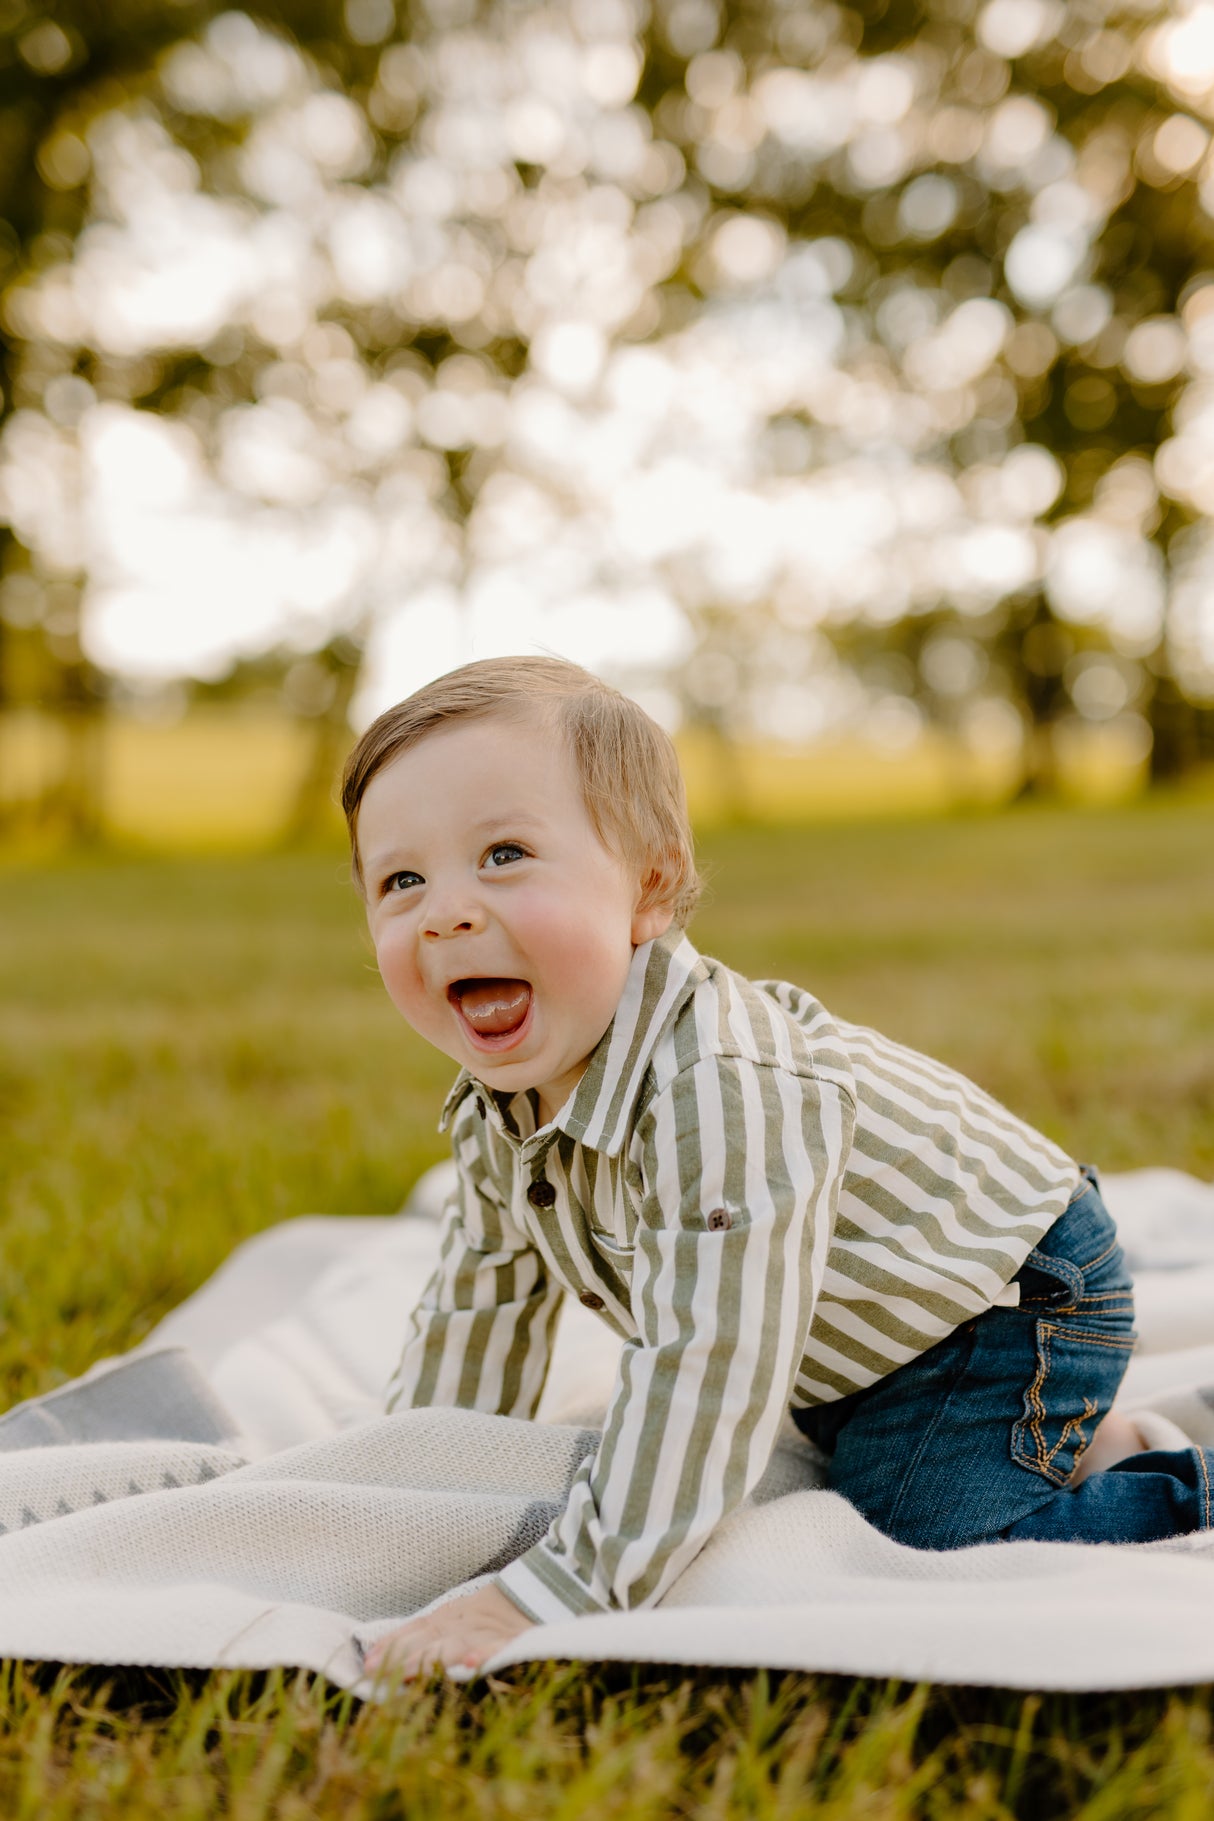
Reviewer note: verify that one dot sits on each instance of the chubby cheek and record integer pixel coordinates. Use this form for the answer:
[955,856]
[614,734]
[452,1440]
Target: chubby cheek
[577,962]
[399,974]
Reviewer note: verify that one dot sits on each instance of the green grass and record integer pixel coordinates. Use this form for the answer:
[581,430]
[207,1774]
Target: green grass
[192,1050]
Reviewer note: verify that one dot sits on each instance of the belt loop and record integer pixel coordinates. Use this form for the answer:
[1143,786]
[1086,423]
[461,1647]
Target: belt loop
[1064,1268]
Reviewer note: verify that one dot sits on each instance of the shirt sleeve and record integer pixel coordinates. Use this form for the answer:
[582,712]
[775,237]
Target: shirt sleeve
[742,1164]
[481,1336]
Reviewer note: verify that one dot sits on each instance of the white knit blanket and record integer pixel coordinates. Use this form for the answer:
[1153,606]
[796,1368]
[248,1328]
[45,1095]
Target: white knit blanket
[229,1493]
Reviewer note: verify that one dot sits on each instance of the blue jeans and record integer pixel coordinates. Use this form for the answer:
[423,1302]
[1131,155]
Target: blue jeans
[979,1437]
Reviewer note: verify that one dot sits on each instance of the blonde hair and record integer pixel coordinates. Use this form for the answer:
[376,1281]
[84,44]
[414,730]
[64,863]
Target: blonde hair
[626,764]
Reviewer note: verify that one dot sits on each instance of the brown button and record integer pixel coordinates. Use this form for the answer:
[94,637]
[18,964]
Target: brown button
[720,1220]
[589,1300]
[541,1194]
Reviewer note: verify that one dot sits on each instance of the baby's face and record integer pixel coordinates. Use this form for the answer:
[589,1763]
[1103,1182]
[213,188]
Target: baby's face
[503,927]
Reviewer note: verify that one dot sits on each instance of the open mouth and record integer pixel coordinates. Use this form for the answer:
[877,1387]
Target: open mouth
[495,1013]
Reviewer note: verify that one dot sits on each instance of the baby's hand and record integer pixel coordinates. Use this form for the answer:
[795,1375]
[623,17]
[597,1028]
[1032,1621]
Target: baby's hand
[461,1633]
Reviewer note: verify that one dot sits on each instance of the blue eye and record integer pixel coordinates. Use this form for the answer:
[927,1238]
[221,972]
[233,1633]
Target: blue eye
[505,847]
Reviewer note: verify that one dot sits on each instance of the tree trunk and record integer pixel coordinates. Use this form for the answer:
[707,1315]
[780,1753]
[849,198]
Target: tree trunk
[329,742]
[79,799]
[1176,732]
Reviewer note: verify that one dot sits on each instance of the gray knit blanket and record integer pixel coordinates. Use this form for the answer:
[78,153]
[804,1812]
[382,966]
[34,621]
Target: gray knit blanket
[230,1493]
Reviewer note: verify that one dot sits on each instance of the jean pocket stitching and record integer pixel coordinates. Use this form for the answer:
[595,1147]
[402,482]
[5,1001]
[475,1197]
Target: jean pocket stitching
[1042,1461]
[1034,1413]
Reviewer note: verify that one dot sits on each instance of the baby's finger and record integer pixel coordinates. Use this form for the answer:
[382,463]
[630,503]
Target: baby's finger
[425,1658]
[385,1649]
[392,1653]
[397,1666]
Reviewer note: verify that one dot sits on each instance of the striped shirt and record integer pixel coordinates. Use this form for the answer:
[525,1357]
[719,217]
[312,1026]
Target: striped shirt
[768,1205]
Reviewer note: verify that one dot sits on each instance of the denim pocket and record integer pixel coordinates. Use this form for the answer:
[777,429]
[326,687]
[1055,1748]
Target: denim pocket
[1078,1372]
[1078,1290]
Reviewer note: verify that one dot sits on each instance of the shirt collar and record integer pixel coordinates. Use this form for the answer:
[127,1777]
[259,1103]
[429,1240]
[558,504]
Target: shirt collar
[661,977]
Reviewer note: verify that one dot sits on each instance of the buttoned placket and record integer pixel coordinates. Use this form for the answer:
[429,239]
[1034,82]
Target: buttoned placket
[533,1158]
[530,1156]
[541,1194]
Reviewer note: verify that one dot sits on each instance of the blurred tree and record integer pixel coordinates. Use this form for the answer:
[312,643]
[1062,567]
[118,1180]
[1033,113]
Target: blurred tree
[1013,676]
[943,266]
[1054,172]
[321,688]
[57,68]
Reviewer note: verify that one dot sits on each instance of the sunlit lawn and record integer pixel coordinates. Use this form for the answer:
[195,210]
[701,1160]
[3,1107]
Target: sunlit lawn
[191,1050]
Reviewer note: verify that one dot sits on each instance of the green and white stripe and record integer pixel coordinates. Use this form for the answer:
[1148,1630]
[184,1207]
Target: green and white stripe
[875,1199]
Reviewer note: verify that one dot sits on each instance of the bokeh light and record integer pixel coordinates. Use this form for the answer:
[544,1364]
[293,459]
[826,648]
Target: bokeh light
[662,337]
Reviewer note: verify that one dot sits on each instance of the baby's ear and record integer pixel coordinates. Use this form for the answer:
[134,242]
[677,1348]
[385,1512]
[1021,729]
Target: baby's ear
[654,911]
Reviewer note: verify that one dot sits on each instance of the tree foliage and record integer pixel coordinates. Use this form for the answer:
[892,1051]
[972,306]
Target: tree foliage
[882,328]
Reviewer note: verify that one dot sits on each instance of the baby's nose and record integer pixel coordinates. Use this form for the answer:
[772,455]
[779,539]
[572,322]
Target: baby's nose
[447,927]
[457,918]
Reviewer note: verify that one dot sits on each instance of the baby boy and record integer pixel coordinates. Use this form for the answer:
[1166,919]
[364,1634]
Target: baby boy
[774,1209]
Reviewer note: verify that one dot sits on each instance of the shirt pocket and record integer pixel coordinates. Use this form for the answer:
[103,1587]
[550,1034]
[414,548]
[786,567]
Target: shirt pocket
[620,1255]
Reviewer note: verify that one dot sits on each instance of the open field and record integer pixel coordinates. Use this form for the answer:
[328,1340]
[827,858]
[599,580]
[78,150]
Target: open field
[193,1049]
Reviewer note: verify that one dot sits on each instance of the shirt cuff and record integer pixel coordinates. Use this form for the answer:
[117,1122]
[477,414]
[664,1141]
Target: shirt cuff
[541,1586]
